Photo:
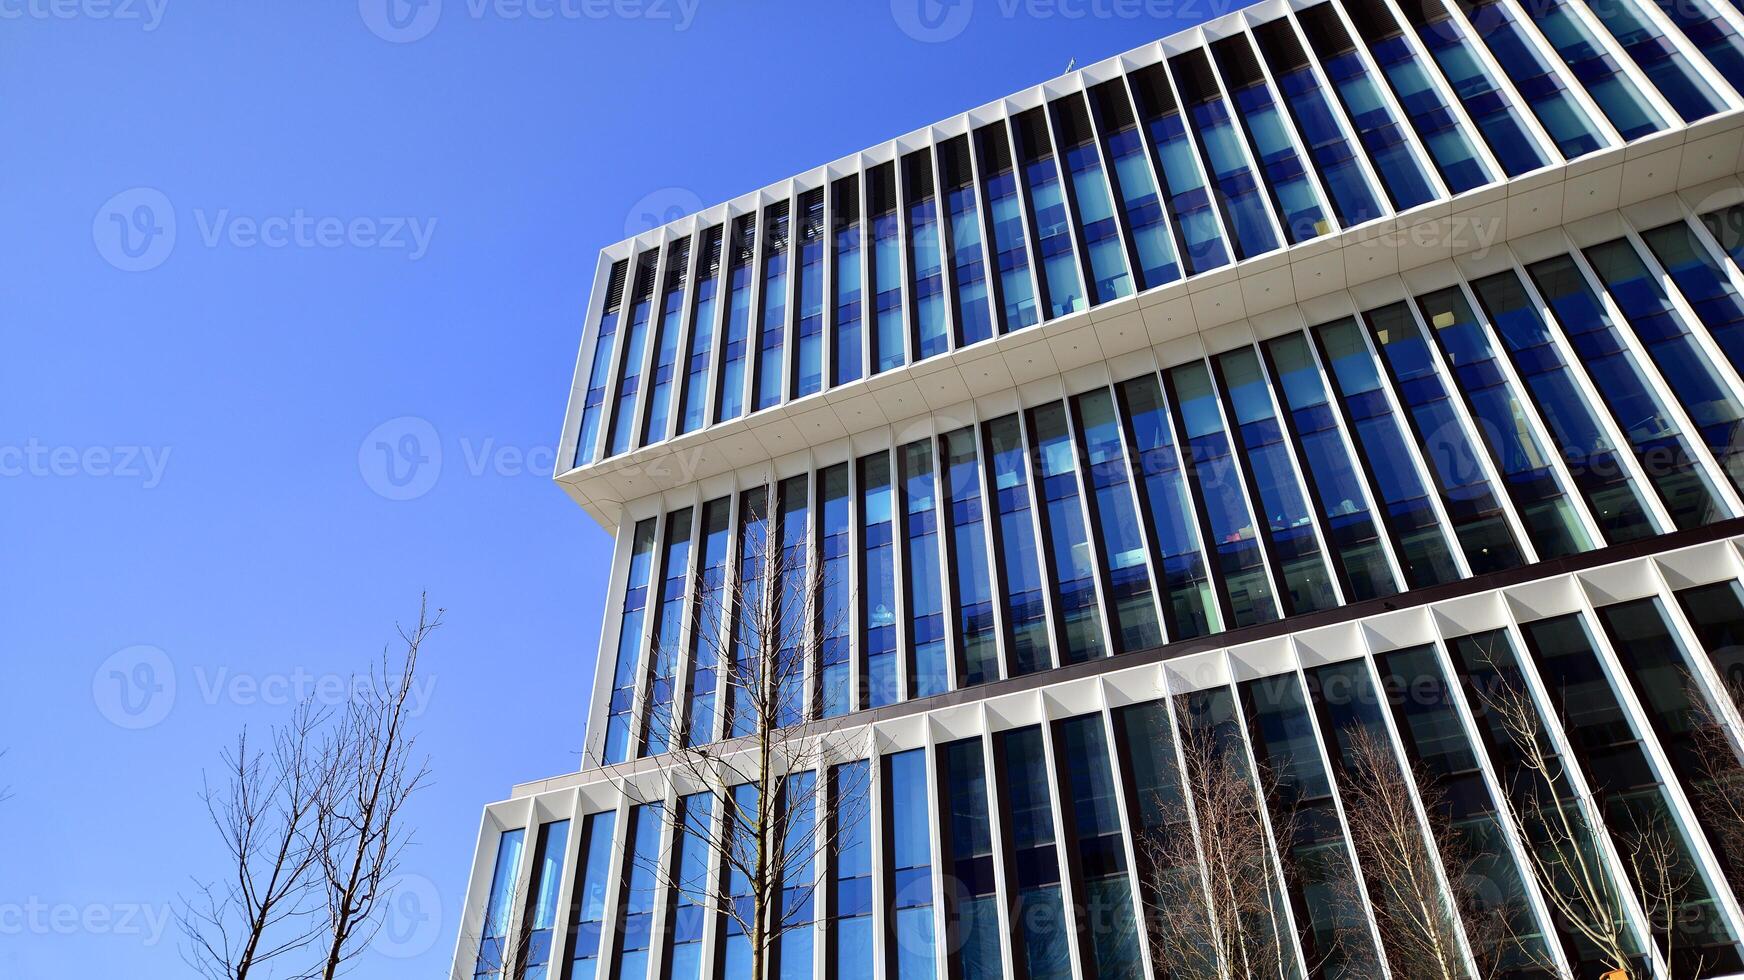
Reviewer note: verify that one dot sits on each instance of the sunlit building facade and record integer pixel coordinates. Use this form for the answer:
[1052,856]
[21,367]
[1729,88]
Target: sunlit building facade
[1292,383]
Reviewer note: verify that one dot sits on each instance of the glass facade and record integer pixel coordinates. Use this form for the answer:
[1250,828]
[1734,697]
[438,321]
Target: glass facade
[1291,128]
[1346,607]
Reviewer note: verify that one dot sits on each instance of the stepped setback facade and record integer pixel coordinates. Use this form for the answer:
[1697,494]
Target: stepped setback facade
[1339,400]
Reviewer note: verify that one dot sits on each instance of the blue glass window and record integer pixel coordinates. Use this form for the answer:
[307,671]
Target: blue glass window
[772,325]
[709,627]
[1328,145]
[977,640]
[791,598]
[972,897]
[1609,744]
[848,272]
[1351,531]
[624,674]
[962,236]
[1450,775]
[1317,865]
[1503,422]
[1238,191]
[1212,474]
[1191,606]
[665,650]
[1610,492]
[740,819]
[642,875]
[796,862]
[1486,664]
[808,356]
[850,871]
[605,341]
[1688,372]
[659,412]
[878,580]
[926,257]
[1120,538]
[1015,288]
[1389,150]
[1189,199]
[1259,440]
[1701,278]
[1091,203]
[1026,620]
[1717,40]
[702,333]
[1417,533]
[911,858]
[1542,88]
[927,671]
[1105,910]
[888,345]
[1690,96]
[1293,194]
[1659,444]
[834,530]
[730,398]
[1659,671]
[1033,868]
[1489,105]
[748,643]
[1211,737]
[592,886]
[1062,291]
[1604,79]
[1068,551]
[1130,172]
[692,893]
[547,879]
[1466,496]
[496,944]
[1440,131]
[630,359]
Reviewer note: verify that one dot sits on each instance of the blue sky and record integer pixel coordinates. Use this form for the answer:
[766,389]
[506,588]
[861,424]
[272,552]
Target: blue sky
[248,243]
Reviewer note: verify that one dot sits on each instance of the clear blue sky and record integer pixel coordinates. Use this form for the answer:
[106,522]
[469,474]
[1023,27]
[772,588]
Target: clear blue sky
[182,492]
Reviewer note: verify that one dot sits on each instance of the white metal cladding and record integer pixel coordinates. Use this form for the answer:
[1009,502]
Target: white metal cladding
[1678,157]
[1511,609]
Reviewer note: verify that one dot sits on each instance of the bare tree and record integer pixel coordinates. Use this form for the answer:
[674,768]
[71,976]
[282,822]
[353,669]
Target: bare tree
[1420,920]
[359,831]
[1561,826]
[1214,896]
[775,810]
[1719,788]
[265,810]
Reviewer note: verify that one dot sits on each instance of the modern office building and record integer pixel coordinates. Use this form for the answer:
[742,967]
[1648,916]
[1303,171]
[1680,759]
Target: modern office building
[1318,372]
